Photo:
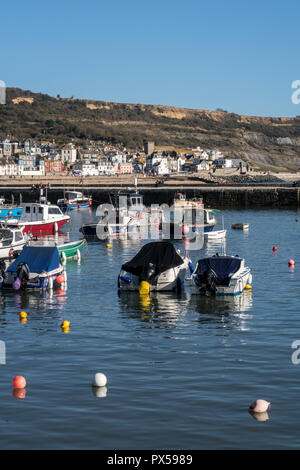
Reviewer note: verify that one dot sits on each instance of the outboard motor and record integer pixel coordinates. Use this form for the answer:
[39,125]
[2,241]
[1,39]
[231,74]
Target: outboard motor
[148,273]
[22,275]
[211,280]
[2,268]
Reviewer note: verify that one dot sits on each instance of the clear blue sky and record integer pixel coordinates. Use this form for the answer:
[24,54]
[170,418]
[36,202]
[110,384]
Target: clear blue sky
[241,56]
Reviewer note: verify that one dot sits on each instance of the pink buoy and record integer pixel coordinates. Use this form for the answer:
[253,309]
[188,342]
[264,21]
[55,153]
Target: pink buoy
[291,262]
[16,284]
[141,216]
[9,212]
[185,229]
[60,279]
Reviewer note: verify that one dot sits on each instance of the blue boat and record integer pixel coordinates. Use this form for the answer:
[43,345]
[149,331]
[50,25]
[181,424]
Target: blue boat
[74,200]
[9,212]
[37,267]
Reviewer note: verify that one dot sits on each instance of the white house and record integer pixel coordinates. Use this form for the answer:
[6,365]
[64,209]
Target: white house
[157,165]
[69,154]
[223,163]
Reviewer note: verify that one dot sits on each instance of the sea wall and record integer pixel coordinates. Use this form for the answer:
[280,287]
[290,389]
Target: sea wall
[219,197]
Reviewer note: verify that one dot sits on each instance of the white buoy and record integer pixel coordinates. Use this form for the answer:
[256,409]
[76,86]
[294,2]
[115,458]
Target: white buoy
[259,406]
[99,380]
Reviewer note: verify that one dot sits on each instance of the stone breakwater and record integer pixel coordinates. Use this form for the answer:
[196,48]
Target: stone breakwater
[242,197]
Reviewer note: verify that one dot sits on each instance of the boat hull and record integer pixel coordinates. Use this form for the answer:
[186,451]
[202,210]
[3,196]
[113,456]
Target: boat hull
[46,228]
[236,286]
[169,280]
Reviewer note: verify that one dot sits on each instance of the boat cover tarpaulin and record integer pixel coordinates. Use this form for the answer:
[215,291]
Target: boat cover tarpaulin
[161,254]
[38,258]
[223,266]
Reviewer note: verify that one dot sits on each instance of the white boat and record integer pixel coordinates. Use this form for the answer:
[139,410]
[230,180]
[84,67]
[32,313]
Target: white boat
[11,241]
[220,275]
[215,235]
[157,265]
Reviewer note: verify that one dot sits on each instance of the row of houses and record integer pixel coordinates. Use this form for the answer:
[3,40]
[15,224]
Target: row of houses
[30,158]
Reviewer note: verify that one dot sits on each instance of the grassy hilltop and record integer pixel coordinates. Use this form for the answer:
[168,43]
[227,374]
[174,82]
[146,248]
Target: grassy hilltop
[265,141]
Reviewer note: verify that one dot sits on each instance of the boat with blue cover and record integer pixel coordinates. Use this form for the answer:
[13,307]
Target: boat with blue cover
[37,267]
[219,275]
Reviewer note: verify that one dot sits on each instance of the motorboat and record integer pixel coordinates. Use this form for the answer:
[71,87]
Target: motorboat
[74,200]
[12,241]
[156,267]
[40,218]
[67,249]
[220,275]
[215,235]
[37,267]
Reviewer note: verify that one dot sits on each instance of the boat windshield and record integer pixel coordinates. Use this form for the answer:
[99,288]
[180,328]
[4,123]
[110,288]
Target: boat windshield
[5,234]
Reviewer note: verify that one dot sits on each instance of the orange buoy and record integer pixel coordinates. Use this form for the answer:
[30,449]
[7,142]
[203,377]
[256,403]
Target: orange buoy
[291,262]
[60,279]
[19,382]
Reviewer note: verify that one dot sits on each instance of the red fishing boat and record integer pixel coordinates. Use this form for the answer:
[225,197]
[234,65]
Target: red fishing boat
[40,218]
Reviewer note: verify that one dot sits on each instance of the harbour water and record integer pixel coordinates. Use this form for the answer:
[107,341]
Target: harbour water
[181,371]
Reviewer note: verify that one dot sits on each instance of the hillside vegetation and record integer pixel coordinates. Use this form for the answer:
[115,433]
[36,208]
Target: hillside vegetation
[265,141]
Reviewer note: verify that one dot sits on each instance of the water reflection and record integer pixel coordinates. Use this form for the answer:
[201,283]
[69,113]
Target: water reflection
[36,300]
[260,416]
[223,310]
[158,309]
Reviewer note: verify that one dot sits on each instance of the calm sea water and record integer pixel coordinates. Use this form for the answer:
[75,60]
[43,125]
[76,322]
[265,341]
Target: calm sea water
[181,371]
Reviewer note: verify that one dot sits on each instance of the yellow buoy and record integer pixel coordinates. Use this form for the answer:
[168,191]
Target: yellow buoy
[66,329]
[144,288]
[248,287]
[108,245]
[65,324]
[23,315]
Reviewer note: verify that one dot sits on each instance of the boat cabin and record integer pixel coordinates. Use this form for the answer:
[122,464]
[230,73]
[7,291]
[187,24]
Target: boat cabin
[10,236]
[35,212]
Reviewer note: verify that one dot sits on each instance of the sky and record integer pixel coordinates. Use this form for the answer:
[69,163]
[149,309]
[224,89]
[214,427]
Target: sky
[241,56]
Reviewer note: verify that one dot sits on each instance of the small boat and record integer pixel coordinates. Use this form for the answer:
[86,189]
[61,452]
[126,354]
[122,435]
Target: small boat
[215,235]
[67,249]
[240,226]
[40,218]
[12,241]
[157,266]
[74,200]
[220,275]
[9,210]
[37,267]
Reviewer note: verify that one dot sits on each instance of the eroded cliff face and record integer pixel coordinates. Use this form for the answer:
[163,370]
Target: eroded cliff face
[260,140]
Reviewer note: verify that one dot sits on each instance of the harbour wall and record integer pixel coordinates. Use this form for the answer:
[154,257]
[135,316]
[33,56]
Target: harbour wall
[241,197]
